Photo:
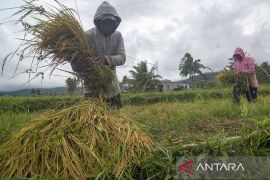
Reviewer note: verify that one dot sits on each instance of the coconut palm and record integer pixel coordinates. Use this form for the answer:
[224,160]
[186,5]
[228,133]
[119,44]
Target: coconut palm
[190,67]
[144,79]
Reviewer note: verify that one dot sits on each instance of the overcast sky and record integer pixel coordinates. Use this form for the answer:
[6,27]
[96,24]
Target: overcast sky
[162,31]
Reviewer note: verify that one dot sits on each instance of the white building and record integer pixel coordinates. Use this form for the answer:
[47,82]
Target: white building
[168,86]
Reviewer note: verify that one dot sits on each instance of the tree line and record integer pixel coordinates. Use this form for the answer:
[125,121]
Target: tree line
[145,78]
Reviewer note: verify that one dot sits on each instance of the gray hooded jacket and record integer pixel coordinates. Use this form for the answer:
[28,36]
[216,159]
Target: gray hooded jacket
[112,46]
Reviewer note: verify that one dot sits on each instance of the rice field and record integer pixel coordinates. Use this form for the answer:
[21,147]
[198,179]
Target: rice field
[64,137]
[174,125]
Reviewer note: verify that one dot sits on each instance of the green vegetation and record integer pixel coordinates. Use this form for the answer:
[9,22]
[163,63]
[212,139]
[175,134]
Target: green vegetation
[190,67]
[49,102]
[71,85]
[10,121]
[195,121]
[202,124]
[142,78]
[30,104]
[65,137]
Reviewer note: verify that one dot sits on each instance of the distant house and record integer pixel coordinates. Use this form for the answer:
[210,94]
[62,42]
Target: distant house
[168,85]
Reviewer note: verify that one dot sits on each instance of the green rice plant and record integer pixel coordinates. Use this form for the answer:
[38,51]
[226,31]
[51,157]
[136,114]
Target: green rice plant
[21,104]
[10,122]
[256,143]
[160,165]
[31,104]
[54,36]
[244,110]
[83,141]
[203,126]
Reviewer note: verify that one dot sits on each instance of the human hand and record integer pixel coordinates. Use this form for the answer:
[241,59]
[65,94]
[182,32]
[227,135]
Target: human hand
[80,65]
[101,60]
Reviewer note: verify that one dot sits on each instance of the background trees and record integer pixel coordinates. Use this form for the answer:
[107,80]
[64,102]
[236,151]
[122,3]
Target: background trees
[71,85]
[142,78]
[190,67]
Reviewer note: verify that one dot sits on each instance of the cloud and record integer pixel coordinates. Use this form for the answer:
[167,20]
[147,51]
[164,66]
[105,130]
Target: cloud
[163,31]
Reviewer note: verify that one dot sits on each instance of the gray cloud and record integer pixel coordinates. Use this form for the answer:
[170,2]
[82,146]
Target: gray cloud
[163,31]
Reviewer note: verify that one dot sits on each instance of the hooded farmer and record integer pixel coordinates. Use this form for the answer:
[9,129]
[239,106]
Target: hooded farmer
[245,64]
[109,46]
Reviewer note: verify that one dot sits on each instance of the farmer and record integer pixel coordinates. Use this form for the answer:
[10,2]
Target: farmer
[109,46]
[245,64]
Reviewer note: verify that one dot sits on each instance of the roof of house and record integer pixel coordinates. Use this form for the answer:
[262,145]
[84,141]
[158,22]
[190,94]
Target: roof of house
[174,82]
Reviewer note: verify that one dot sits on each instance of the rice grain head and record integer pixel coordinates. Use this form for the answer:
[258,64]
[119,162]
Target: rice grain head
[228,78]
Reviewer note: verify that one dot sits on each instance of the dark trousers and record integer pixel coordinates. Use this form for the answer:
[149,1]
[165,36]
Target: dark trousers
[113,101]
[250,93]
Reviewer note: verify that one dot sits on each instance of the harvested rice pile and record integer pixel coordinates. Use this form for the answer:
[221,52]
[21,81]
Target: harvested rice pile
[82,141]
[229,78]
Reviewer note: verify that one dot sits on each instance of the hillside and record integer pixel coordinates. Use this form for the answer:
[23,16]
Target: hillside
[44,91]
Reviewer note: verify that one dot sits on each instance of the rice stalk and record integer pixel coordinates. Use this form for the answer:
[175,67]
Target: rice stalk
[228,78]
[55,37]
[76,142]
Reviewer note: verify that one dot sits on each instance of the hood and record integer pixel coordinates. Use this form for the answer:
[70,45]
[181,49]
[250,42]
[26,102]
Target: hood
[240,52]
[107,11]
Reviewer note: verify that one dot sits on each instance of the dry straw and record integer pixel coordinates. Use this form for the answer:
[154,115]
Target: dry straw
[85,140]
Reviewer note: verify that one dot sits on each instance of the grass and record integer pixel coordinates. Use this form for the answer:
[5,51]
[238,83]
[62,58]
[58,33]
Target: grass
[163,119]
[194,121]
[175,123]
[10,122]
[83,141]
[31,104]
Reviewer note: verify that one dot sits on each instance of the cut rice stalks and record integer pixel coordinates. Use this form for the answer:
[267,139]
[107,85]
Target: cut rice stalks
[54,37]
[85,140]
[228,78]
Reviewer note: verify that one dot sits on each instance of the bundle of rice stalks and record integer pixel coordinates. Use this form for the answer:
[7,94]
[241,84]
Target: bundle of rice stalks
[56,38]
[228,78]
[85,140]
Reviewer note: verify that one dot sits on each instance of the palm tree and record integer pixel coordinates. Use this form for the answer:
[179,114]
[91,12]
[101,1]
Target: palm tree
[125,82]
[190,67]
[144,79]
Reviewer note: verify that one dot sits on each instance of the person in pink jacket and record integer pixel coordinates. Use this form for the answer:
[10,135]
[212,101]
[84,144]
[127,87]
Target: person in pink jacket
[245,64]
